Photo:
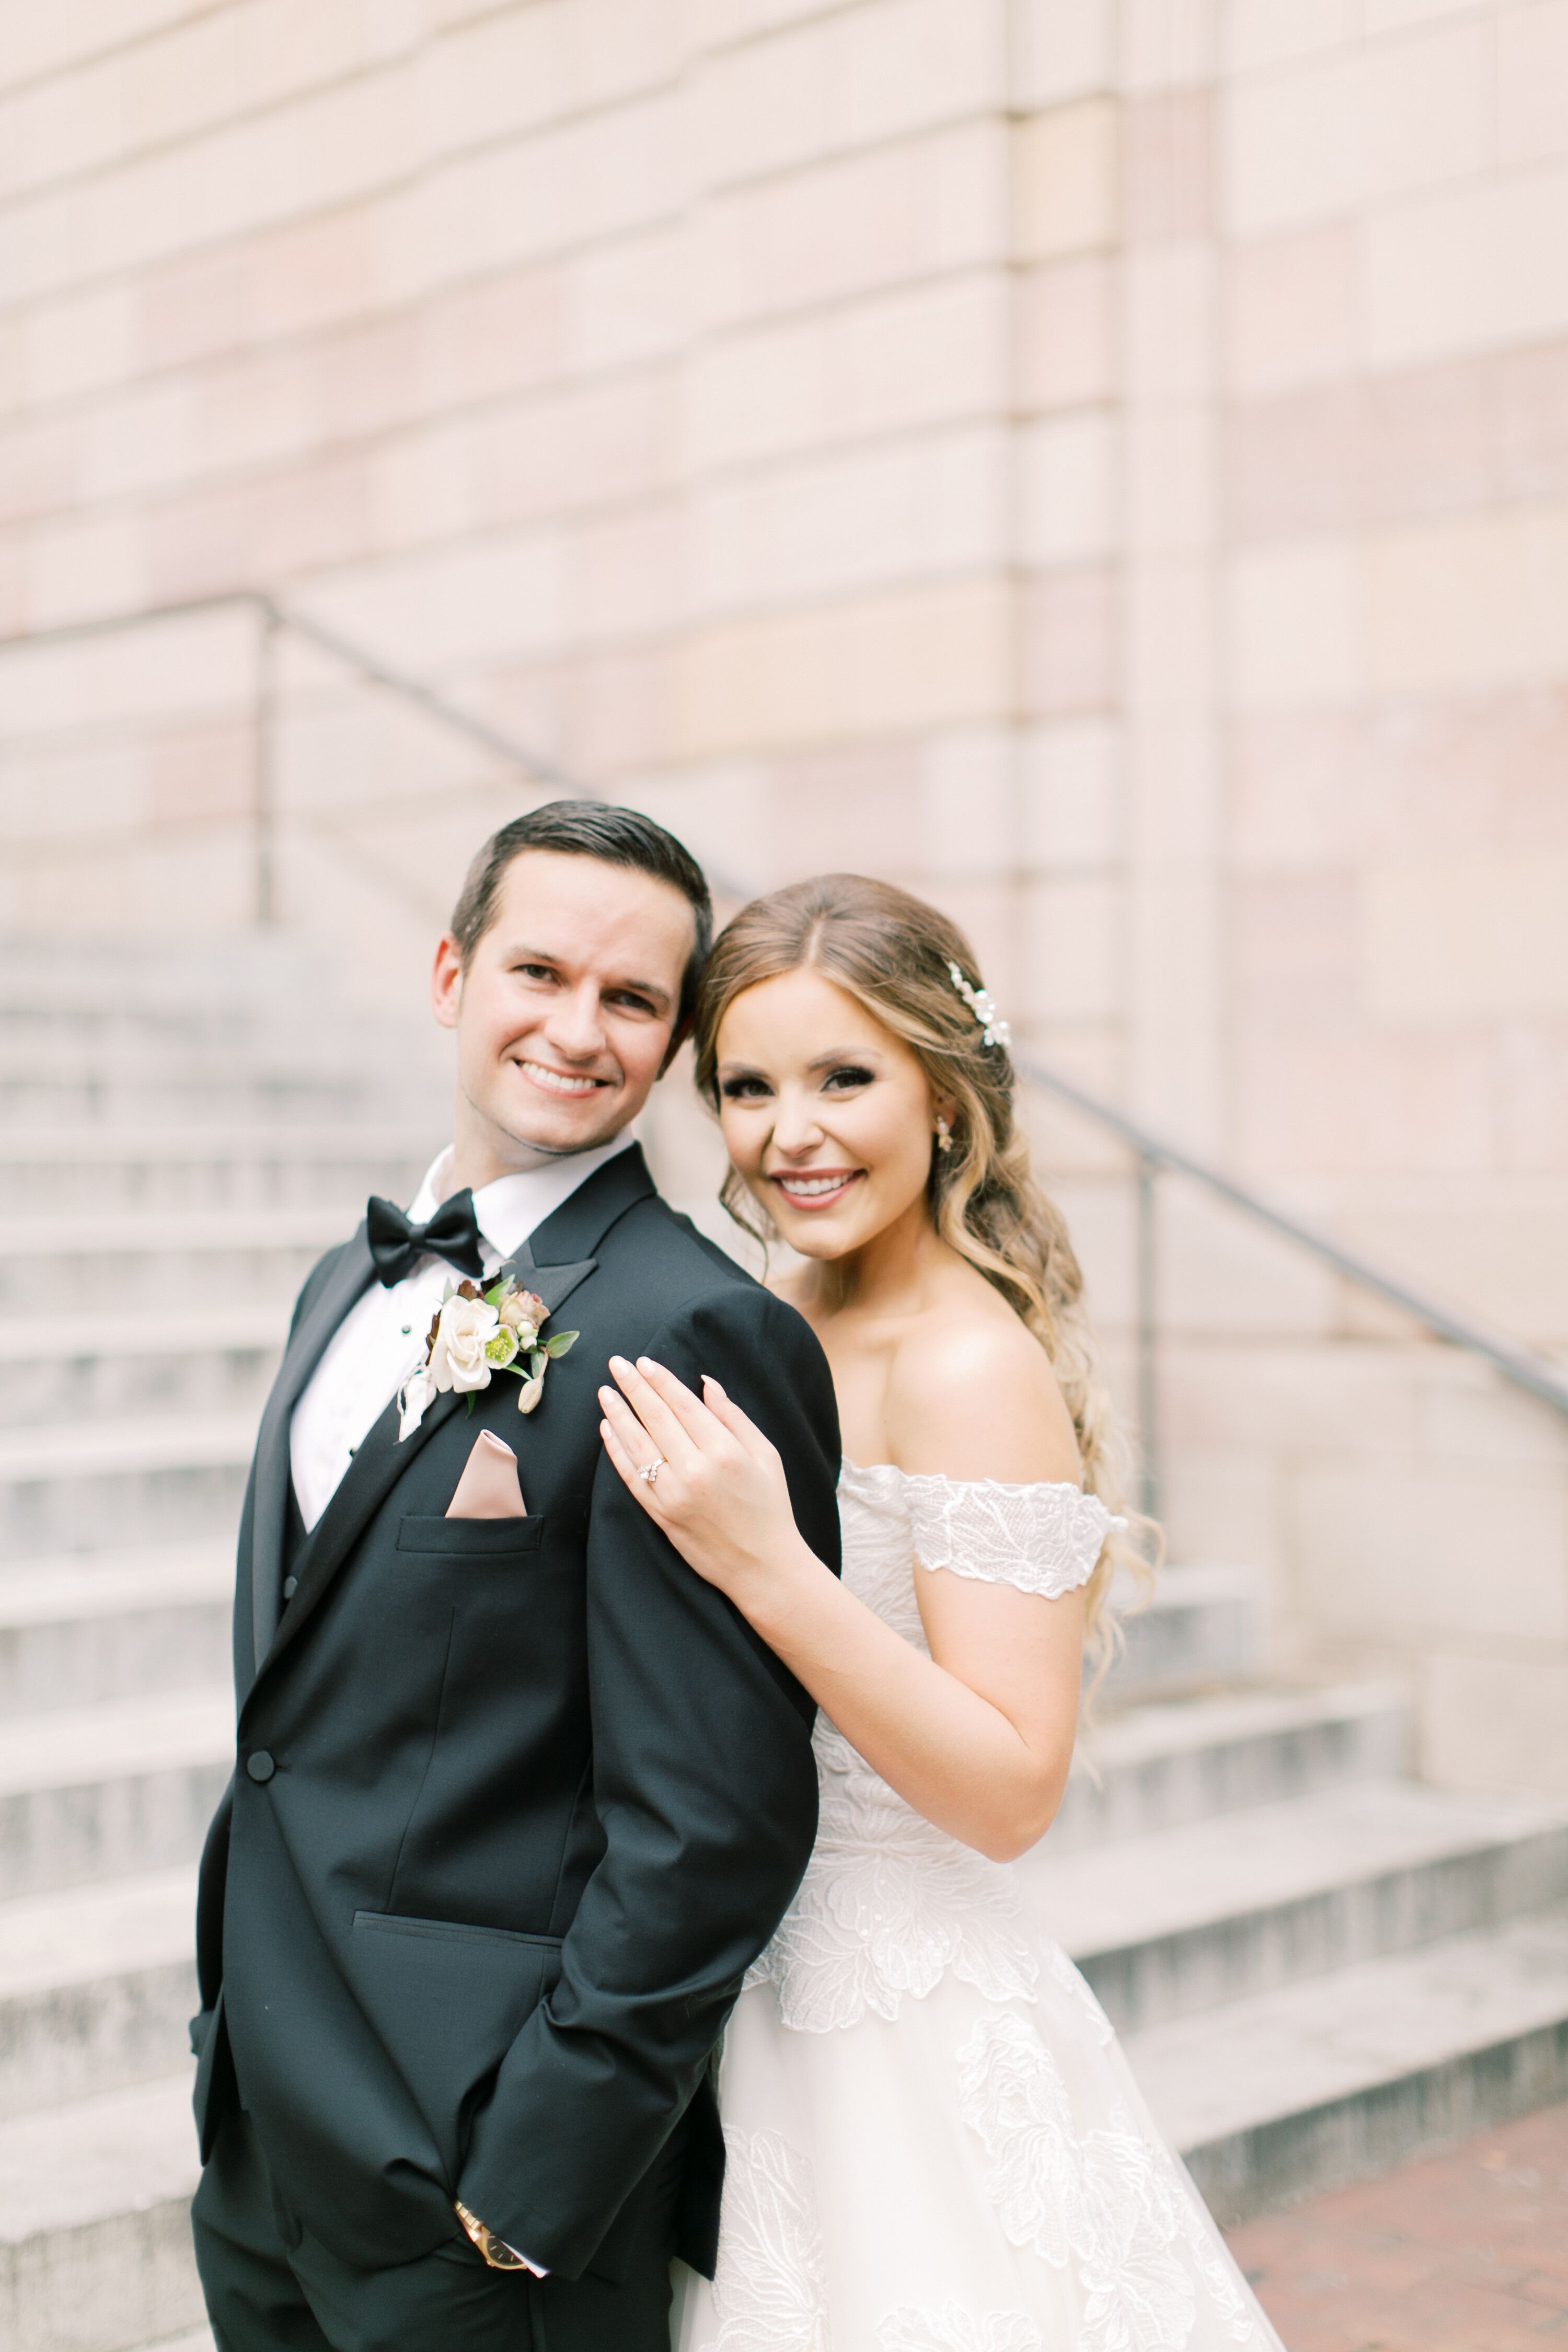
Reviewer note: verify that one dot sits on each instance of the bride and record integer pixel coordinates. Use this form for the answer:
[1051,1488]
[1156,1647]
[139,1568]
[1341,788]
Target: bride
[934,2143]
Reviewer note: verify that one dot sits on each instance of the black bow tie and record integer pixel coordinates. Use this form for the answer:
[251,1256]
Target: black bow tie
[397,1246]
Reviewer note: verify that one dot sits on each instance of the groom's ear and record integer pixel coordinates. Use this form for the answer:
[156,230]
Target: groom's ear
[446,980]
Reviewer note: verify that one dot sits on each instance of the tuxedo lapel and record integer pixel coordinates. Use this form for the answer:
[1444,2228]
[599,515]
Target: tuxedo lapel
[575,1229]
[378,1463]
[547,1263]
[551,1264]
[351,1275]
[553,1283]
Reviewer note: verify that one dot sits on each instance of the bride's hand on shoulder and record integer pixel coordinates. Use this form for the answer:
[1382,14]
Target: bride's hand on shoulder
[719,1489]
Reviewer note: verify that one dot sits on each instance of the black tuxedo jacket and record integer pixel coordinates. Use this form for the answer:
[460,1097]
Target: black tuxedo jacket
[515,1803]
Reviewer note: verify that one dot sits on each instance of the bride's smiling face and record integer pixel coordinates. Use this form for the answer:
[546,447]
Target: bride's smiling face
[827,1114]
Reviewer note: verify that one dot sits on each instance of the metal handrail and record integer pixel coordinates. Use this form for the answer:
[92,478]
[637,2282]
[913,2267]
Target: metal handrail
[275,618]
[1537,1375]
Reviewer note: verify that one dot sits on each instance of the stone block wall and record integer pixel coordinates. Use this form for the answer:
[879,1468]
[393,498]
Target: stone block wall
[1104,465]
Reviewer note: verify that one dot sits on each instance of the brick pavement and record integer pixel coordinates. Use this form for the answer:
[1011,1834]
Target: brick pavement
[1467,2252]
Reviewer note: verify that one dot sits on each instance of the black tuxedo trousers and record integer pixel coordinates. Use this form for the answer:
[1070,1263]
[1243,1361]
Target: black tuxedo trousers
[516,1803]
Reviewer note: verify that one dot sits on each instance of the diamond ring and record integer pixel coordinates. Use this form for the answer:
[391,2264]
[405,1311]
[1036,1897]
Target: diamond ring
[650,1470]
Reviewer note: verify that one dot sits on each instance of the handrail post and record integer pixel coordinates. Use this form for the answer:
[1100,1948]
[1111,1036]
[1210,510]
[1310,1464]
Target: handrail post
[264,813]
[1148,1342]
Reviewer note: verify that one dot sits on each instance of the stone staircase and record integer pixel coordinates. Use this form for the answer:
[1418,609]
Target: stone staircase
[1316,1963]
[180,1137]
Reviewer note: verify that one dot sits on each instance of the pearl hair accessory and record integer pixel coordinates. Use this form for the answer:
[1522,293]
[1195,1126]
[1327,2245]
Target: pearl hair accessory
[983,1004]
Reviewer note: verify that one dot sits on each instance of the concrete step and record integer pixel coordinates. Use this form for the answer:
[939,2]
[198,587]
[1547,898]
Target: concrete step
[95,2231]
[1216,1910]
[98,1985]
[180,1050]
[115,1625]
[71,1490]
[196,1259]
[1314,2084]
[110,1791]
[309,1045]
[216,999]
[85,1370]
[193,977]
[231,1023]
[1152,1765]
[264,1027]
[230,1096]
[1203,1625]
[141,1168]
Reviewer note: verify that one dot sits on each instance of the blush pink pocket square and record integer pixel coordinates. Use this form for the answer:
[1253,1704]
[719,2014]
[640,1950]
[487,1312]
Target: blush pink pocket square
[488,1487]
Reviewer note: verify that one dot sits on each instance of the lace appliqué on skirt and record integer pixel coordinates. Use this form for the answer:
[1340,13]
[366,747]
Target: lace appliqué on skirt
[888,1906]
[1110,2202]
[953,2329]
[770,2284]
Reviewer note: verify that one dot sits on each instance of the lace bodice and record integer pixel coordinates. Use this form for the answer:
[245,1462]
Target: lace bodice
[888,1904]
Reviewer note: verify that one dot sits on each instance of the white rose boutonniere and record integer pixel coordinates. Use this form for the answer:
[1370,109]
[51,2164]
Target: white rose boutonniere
[459,1349]
[476,1334]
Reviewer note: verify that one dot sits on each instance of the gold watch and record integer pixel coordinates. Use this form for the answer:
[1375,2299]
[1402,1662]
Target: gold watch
[496,2252]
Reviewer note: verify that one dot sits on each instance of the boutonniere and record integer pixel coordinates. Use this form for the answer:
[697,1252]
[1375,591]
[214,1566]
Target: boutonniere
[476,1333]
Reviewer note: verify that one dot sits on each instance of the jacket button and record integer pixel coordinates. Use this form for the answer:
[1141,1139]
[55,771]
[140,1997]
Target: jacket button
[291,1586]
[261,1766]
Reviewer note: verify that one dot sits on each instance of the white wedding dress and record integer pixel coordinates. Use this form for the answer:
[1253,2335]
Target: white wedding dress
[934,2142]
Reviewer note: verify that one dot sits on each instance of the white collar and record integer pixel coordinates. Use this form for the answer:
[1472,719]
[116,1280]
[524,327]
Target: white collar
[514,1207]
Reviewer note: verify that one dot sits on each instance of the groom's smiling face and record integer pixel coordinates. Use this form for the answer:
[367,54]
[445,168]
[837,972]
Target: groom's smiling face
[565,1011]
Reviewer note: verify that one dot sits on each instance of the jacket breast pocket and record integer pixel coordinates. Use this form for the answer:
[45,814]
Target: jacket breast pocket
[446,2001]
[474,1539]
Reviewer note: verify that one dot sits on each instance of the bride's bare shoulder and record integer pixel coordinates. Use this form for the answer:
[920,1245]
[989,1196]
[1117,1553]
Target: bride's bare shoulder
[971,1394]
[792,1287]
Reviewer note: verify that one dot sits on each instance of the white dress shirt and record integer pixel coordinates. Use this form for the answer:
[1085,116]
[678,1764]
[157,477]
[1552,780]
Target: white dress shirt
[381,1338]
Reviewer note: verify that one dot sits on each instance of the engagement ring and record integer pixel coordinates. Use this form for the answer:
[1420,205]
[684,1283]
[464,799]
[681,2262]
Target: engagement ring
[650,1470]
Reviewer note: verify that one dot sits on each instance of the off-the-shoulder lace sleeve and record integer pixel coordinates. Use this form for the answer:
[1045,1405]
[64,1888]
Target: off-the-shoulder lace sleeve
[1043,1538]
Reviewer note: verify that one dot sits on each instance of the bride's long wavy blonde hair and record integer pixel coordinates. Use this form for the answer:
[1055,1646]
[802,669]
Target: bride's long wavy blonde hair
[893,953]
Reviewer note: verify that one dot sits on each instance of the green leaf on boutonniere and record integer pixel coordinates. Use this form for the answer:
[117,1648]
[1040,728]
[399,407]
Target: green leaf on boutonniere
[558,1345]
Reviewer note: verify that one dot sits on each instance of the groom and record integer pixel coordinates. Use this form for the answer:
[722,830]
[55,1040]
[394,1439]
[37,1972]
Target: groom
[518,1797]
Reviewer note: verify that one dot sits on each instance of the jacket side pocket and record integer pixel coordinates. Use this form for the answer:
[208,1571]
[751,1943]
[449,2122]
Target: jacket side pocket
[446,2001]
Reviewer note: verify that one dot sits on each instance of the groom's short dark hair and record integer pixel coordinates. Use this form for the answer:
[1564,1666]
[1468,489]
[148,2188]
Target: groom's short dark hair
[615,837]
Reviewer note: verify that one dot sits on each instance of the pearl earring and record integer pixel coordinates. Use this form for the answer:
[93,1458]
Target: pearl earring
[943,1135]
